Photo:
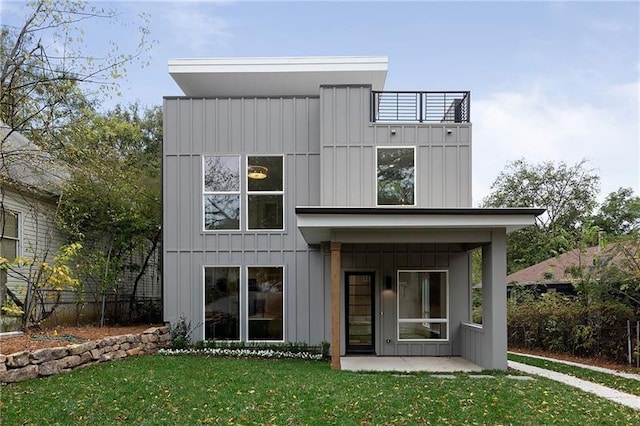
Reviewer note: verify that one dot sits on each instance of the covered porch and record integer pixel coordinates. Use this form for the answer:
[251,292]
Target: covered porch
[453,233]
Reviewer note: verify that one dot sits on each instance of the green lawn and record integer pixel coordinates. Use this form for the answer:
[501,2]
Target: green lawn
[196,390]
[620,383]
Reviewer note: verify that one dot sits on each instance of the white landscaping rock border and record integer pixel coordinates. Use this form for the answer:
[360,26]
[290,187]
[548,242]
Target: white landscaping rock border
[25,365]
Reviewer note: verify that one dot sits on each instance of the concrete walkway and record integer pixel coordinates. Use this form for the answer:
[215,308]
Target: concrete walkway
[438,364]
[623,398]
[588,367]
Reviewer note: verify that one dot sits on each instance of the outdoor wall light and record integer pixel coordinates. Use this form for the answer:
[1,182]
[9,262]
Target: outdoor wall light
[388,283]
[393,131]
[449,131]
[257,172]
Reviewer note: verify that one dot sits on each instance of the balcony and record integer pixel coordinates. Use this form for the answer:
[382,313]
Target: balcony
[421,107]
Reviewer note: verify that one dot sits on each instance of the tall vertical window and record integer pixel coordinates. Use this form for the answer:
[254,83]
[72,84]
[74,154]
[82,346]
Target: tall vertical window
[9,235]
[265,192]
[396,176]
[423,305]
[9,240]
[221,190]
[266,291]
[222,303]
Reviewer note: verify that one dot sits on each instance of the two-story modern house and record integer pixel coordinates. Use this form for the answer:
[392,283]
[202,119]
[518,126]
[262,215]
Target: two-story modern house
[302,202]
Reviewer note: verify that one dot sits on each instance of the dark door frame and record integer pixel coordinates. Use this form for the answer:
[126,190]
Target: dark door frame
[365,349]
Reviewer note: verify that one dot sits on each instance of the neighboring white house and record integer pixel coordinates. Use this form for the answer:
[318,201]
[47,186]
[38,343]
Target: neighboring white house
[302,202]
[31,181]
[30,186]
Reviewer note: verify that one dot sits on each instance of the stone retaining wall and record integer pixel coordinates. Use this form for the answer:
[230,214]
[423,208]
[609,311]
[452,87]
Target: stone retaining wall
[20,366]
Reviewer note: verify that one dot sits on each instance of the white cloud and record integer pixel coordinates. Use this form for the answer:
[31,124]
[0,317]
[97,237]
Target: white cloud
[626,92]
[609,26]
[195,27]
[538,126]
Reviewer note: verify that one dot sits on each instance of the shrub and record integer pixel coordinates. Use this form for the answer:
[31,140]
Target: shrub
[181,334]
[558,323]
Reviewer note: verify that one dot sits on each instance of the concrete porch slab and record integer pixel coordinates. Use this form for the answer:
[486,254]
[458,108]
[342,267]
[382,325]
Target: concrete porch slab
[438,364]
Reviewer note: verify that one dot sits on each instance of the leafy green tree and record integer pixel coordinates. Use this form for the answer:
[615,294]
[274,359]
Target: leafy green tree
[111,204]
[619,214]
[47,86]
[566,192]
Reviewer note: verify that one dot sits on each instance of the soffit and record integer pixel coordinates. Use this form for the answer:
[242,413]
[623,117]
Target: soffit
[318,224]
[261,77]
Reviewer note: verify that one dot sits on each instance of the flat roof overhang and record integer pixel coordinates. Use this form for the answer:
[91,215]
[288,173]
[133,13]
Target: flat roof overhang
[285,76]
[400,224]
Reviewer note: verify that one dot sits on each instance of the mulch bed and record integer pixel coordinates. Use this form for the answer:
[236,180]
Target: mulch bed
[63,336]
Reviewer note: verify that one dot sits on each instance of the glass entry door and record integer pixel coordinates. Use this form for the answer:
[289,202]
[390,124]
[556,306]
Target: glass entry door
[360,324]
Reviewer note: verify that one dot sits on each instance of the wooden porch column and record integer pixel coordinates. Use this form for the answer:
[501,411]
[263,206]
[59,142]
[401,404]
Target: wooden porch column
[335,305]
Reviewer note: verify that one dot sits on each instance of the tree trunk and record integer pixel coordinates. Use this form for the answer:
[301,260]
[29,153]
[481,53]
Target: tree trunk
[143,269]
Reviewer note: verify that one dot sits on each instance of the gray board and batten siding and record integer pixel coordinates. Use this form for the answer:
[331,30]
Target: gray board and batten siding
[196,127]
[348,146]
[329,148]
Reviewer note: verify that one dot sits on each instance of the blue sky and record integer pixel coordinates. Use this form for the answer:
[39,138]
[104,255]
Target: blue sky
[549,80]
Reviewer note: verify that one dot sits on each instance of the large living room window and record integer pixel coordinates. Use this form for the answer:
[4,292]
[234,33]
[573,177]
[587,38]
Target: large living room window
[265,192]
[266,297]
[395,168]
[221,192]
[423,308]
[222,303]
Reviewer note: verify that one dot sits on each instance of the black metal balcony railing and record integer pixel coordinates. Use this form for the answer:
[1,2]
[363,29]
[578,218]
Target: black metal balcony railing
[422,107]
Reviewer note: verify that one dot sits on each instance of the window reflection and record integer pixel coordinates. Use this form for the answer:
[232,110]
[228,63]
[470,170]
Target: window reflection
[221,212]
[396,175]
[265,286]
[222,303]
[265,196]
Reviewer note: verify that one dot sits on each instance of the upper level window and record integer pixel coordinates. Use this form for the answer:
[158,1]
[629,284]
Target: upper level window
[396,176]
[221,190]
[265,192]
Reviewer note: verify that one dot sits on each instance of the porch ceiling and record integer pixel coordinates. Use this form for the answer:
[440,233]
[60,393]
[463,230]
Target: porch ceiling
[392,225]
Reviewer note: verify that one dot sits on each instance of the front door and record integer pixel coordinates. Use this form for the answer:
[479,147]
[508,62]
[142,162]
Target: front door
[360,324]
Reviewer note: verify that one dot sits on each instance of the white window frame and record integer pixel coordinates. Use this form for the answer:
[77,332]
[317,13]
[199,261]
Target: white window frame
[205,193]
[20,227]
[415,176]
[284,304]
[240,299]
[248,193]
[423,321]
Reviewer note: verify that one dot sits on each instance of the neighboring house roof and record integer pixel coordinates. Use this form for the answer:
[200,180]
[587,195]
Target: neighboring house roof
[26,165]
[558,269]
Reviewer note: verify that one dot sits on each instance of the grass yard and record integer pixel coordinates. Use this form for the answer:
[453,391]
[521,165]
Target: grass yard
[615,382]
[197,390]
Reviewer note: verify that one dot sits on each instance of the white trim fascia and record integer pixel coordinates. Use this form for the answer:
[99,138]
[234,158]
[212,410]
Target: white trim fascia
[278,64]
[274,77]
[346,221]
